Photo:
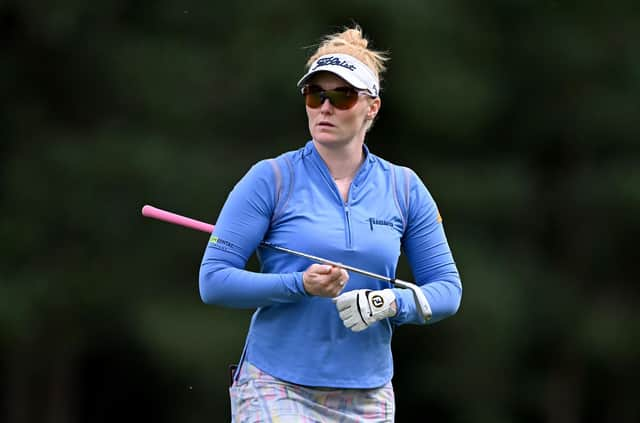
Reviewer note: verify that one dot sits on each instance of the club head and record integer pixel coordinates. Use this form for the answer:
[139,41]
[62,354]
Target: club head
[418,296]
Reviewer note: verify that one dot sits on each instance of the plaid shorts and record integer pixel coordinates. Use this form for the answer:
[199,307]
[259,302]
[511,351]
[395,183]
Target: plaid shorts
[259,397]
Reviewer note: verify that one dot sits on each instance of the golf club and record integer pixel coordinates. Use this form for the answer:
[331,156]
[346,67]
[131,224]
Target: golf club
[176,219]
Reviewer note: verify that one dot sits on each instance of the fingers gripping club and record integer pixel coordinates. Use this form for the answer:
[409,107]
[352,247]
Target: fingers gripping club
[421,301]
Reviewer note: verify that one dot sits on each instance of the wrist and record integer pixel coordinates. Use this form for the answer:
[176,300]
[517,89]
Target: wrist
[302,285]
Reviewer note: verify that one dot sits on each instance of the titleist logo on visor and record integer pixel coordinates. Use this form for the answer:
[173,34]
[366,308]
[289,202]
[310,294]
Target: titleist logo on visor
[326,61]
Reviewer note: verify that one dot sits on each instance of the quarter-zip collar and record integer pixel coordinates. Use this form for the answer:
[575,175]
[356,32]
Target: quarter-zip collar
[311,151]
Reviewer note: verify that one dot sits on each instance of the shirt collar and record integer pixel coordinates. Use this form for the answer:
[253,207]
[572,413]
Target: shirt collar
[310,149]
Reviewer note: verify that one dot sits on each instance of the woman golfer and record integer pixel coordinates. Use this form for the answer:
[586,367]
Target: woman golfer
[319,344]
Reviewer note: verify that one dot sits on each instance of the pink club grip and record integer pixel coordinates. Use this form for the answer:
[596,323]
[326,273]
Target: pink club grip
[176,219]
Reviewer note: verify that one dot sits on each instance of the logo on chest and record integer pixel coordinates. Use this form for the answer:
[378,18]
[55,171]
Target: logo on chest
[378,222]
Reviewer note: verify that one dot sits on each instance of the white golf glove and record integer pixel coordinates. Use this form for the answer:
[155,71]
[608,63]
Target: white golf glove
[361,308]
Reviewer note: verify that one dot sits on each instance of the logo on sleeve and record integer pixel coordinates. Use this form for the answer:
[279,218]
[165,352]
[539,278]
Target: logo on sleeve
[221,243]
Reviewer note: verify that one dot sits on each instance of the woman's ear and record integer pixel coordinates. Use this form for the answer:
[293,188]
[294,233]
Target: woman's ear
[374,107]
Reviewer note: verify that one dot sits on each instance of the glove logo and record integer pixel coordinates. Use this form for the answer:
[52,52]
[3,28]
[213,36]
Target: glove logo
[377,301]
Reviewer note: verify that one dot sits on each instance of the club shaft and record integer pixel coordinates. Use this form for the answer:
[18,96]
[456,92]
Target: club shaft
[176,219]
[329,262]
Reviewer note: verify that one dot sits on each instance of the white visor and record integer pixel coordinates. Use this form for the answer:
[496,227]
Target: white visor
[346,67]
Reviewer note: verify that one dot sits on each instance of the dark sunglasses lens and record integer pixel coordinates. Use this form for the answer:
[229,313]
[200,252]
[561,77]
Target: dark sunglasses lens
[312,96]
[342,98]
[314,100]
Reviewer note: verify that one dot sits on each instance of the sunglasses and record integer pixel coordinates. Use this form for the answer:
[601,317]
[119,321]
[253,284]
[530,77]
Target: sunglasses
[342,98]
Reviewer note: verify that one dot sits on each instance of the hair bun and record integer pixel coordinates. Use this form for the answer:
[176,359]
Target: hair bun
[354,37]
[352,41]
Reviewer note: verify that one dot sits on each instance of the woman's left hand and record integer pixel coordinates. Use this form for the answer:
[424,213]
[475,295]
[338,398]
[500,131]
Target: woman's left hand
[361,308]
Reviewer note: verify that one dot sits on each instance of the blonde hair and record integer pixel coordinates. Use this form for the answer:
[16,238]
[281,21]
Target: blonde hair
[352,41]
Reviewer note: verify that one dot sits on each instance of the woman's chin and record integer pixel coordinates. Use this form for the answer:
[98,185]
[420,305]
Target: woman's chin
[328,142]
[326,138]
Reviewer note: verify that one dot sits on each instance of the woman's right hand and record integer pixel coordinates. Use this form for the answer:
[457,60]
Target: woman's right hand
[324,280]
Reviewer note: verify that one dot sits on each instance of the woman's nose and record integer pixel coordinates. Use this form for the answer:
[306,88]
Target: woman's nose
[326,105]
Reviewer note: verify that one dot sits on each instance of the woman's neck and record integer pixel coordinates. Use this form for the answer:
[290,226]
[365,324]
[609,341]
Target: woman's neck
[343,161]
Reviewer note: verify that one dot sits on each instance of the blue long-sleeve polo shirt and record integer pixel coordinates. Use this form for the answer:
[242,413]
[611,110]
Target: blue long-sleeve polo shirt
[294,202]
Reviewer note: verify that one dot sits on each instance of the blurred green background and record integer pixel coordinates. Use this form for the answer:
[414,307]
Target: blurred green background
[522,117]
